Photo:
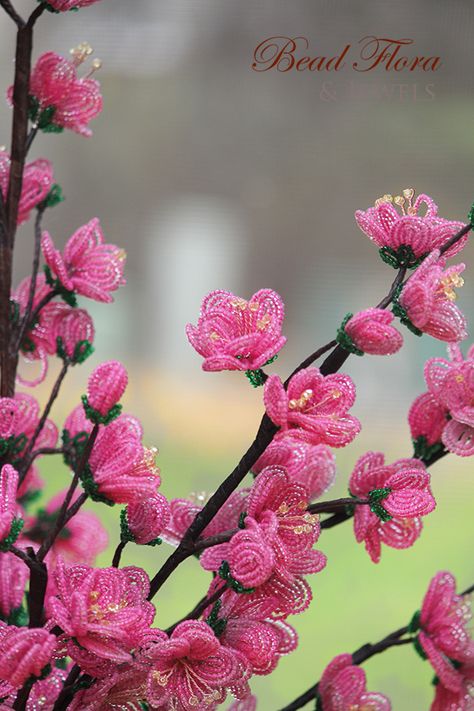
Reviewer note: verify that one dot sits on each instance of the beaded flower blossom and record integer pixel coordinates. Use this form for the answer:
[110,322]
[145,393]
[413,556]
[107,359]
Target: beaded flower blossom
[426,302]
[311,465]
[23,653]
[405,237]
[37,182]
[314,408]
[370,331]
[278,536]
[343,687]
[103,611]
[88,265]
[443,634]
[451,383]
[8,505]
[397,496]
[192,669]
[235,334]
[59,97]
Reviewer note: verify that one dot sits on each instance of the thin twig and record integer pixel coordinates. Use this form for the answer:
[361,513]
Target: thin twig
[31,138]
[54,394]
[34,273]
[118,554]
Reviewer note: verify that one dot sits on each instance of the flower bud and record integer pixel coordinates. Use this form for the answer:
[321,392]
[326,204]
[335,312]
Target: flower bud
[106,386]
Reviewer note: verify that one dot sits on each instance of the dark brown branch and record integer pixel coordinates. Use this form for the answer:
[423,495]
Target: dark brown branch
[10,10]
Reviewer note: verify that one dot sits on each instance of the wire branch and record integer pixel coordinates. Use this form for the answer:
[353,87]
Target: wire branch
[10,10]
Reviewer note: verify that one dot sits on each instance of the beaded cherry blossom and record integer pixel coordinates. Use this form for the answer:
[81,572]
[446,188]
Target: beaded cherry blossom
[405,236]
[59,97]
[312,465]
[451,383]
[235,334]
[105,387]
[45,692]
[397,494]
[102,610]
[23,653]
[88,265]
[461,700]
[192,669]
[426,302]
[314,408]
[245,623]
[443,635]
[370,331]
[279,533]
[427,419]
[37,182]
[120,469]
[147,519]
[343,687]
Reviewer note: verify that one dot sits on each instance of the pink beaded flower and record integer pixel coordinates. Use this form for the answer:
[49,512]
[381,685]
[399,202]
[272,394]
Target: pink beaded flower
[73,326]
[65,5]
[88,265]
[147,519]
[124,687]
[192,669]
[397,494]
[427,419]
[23,652]
[103,610]
[462,700]
[452,385]
[13,578]
[37,182]
[26,421]
[427,301]
[121,469]
[444,636]
[370,332]
[314,408]
[279,534]
[245,623]
[105,387]
[235,334]
[55,85]
[406,237]
[8,505]
[311,465]
[343,687]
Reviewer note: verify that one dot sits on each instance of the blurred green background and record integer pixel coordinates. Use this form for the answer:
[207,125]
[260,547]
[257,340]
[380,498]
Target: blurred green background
[213,176]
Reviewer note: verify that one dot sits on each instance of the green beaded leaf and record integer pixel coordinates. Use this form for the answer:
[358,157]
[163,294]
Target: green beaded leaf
[224,573]
[15,530]
[414,624]
[425,451]
[344,340]
[401,313]
[18,617]
[96,417]
[470,216]
[418,648]
[91,488]
[126,536]
[242,518]
[256,377]
[53,198]
[375,497]
[217,625]
[401,258]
